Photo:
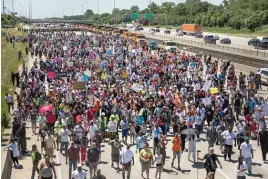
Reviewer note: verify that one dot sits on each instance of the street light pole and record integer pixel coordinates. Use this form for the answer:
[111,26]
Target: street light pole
[3,6]
[114,14]
[98,7]
[13,6]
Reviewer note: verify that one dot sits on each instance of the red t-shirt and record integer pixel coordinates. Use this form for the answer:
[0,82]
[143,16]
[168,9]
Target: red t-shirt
[51,118]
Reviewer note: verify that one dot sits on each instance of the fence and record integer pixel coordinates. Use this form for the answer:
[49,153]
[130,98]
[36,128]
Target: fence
[246,51]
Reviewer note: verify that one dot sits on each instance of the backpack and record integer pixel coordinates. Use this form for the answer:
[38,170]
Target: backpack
[38,156]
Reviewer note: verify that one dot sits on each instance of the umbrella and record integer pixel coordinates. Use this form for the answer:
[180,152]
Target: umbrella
[46,108]
[189,131]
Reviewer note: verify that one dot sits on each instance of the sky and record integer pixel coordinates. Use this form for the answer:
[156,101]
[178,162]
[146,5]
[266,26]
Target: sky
[58,8]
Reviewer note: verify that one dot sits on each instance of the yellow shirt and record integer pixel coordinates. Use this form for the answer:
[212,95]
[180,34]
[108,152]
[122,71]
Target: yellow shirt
[146,154]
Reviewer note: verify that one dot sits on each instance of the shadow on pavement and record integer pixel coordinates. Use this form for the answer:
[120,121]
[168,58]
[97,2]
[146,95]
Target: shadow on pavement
[199,165]
[169,171]
[257,175]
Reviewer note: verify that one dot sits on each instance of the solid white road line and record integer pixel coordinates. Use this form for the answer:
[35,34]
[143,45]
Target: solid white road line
[58,167]
[221,172]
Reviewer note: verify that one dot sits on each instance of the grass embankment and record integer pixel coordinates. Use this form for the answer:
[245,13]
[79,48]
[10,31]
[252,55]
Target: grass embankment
[9,63]
[262,31]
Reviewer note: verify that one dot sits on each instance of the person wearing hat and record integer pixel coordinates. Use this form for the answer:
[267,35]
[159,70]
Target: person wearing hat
[36,157]
[79,173]
[247,152]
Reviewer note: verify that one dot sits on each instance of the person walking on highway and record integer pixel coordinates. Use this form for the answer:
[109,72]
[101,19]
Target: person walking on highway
[64,138]
[14,152]
[241,168]
[50,145]
[21,135]
[263,135]
[47,169]
[72,154]
[79,173]
[229,137]
[211,135]
[99,175]
[93,157]
[127,159]
[176,148]
[192,147]
[36,157]
[146,160]
[246,152]
[210,164]
[115,151]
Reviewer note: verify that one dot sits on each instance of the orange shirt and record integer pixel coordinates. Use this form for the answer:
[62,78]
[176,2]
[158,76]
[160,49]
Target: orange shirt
[176,144]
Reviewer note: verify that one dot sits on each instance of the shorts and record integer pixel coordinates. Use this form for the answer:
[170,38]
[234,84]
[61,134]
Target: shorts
[124,133]
[93,165]
[176,154]
[49,151]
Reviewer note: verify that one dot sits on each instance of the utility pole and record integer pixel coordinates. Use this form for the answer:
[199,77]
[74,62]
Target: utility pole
[29,9]
[3,6]
[114,14]
[13,7]
[82,9]
[86,6]
[98,7]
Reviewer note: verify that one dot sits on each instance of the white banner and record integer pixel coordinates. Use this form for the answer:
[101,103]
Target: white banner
[207,85]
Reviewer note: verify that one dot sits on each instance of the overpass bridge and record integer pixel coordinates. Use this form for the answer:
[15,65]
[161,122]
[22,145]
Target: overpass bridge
[51,21]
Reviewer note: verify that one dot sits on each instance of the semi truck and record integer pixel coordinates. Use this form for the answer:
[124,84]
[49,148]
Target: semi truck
[191,29]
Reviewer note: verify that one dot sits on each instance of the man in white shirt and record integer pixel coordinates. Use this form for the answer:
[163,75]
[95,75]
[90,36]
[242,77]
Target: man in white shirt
[156,133]
[79,173]
[64,138]
[229,137]
[247,153]
[91,130]
[127,155]
[240,132]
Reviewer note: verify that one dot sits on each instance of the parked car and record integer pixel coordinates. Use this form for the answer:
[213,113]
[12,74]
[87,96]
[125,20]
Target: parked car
[225,41]
[264,75]
[262,45]
[198,36]
[216,37]
[157,29]
[253,42]
[152,30]
[167,31]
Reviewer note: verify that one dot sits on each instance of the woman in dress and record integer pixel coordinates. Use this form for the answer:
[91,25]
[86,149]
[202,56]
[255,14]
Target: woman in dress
[158,161]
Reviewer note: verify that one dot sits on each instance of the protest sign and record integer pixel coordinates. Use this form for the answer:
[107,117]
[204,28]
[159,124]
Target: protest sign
[206,101]
[61,74]
[85,78]
[207,85]
[109,135]
[88,73]
[69,98]
[137,87]
[80,85]
[265,109]
[51,74]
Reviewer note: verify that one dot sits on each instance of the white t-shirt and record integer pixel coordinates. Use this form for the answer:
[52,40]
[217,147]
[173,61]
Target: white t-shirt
[246,150]
[126,155]
[229,137]
[79,175]
[241,127]
[112,126]
[158,159]
[64,135]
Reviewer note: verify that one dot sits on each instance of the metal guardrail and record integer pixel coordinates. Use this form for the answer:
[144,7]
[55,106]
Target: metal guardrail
[244,51]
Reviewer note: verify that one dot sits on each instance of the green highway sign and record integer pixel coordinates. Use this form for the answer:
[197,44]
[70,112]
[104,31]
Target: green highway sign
[149,16]
[134,16]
